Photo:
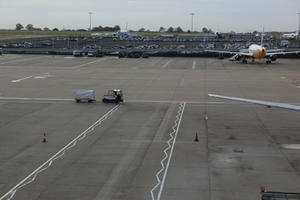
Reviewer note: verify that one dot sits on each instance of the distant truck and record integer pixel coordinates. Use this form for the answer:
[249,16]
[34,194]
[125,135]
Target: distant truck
[78,53]
[84,95]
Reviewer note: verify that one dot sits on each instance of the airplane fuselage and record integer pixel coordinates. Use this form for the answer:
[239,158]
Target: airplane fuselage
[257,51]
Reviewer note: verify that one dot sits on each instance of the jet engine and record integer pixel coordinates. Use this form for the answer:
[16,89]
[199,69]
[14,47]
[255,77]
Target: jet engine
[238,57]
[273,57]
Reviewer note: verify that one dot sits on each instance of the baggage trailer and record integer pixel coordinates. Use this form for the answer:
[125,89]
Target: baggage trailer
[84,95]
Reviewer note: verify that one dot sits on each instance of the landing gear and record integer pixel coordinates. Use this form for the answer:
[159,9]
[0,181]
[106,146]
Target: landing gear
[268,62]
[244,61]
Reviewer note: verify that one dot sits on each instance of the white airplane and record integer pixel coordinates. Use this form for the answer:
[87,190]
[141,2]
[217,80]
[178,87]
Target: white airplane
[290,35]
[255,51]
[266,103]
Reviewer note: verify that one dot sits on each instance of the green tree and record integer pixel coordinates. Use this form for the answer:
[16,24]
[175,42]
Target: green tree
[162,29]
[19,27]
[170,30]
[205,30]
[179,30]
[116,28]
[29,27]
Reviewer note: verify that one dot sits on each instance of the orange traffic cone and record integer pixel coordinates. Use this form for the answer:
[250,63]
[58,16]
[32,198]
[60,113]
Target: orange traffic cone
[44,138]
[196,138]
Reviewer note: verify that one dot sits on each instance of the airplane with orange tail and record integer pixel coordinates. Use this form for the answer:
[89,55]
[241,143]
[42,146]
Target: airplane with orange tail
[255,51]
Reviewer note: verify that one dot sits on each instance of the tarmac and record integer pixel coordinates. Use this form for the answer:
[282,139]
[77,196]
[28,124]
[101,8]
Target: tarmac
[120,153]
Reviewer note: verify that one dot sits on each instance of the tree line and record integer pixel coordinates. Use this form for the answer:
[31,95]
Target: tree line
[116,28]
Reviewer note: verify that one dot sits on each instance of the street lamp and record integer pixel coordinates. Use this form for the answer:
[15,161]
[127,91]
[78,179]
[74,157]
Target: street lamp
[298,31]
[192,24]
[90,13]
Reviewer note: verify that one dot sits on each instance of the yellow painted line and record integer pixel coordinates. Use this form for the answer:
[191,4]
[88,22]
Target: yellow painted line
[283,77]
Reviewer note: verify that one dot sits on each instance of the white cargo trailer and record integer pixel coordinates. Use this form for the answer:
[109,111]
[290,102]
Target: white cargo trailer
[84,95]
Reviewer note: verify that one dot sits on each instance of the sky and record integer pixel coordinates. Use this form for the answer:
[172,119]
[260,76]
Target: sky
[218,15]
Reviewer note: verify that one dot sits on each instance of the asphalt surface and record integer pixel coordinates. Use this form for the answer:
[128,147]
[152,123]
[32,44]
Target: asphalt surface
[241,146]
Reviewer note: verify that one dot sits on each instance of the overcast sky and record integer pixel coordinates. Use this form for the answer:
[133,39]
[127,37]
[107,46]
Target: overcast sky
[219,15]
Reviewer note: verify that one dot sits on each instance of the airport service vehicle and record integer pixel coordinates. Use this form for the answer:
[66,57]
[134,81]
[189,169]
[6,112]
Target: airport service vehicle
[266,103]
[78,53]
[84,95]
[113,96]
[254,51]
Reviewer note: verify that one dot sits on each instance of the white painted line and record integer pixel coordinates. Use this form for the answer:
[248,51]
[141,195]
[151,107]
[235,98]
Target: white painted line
[194,65]
[22,79]
[18,60]
[85,64]
[171,144]
[166,64]
[33,99]
[82,65]
[47,75]
[131,101]
[31,177]
[188,102]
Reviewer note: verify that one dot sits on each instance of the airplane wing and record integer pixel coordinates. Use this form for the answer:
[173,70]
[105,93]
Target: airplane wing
[266,103]
[230,52]
[274,50]
[281,53]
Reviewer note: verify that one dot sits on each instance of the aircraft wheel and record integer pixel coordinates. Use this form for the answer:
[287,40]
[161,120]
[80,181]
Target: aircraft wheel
[244,61]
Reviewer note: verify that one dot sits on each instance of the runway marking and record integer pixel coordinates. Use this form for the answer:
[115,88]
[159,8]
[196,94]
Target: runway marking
[168,154]
[22,79]
[82,65]
[18,60]
[47,75]
[194,65]
[85,64]
[166,64]
[31,177]
[27,99]
[33,99]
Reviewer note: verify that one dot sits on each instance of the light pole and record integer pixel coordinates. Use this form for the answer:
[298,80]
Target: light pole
[90,13]
[298,31]
[192,24]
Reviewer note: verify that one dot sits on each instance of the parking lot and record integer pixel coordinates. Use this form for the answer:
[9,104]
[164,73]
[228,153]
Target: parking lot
[241,147]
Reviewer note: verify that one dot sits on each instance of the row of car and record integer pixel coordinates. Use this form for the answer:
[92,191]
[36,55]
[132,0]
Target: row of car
[133,55]
[91,53]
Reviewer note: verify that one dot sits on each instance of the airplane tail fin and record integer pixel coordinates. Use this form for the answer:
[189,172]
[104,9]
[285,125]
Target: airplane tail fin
[262,37]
